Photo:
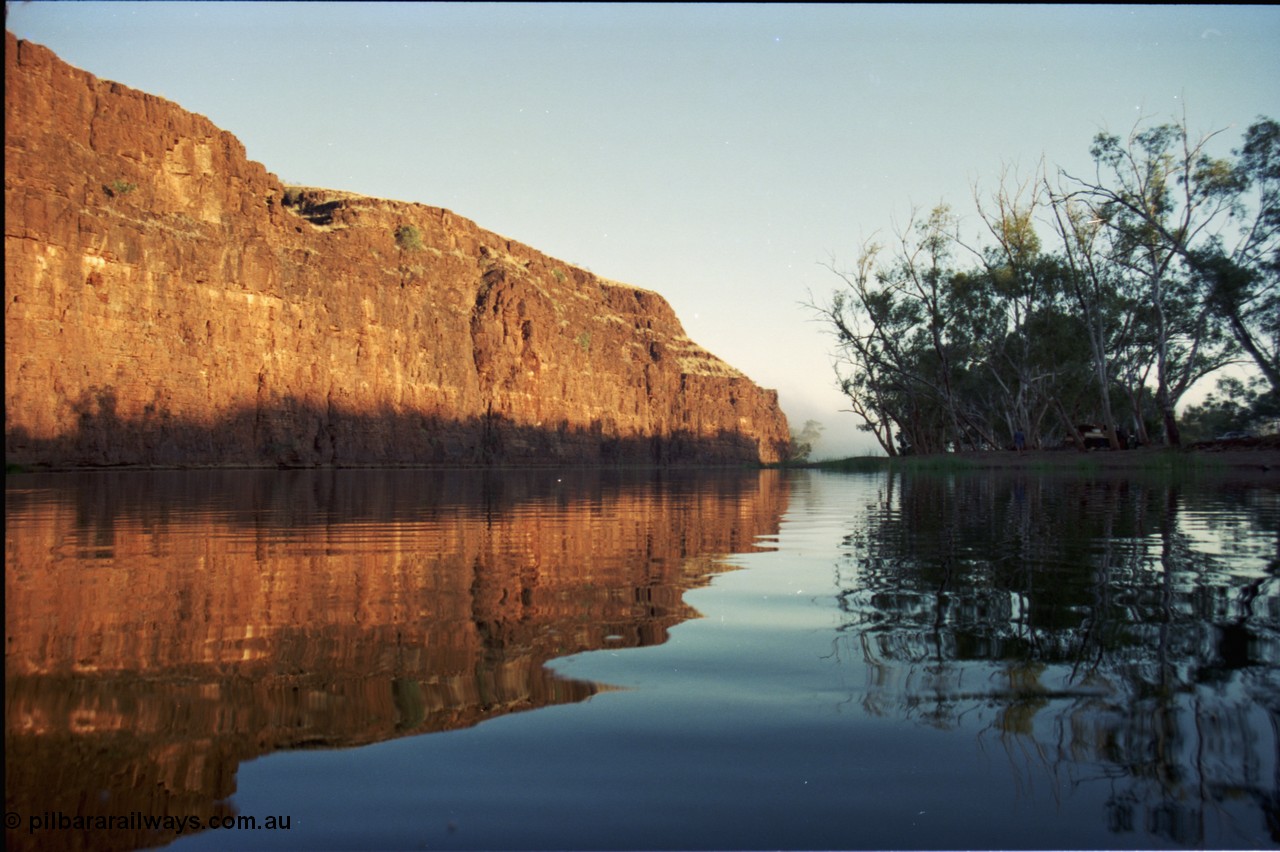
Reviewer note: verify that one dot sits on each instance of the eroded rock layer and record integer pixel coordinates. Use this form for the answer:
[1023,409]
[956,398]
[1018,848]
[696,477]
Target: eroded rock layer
[170,302]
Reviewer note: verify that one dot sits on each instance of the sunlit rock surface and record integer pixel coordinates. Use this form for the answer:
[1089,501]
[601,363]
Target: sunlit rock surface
[170,302]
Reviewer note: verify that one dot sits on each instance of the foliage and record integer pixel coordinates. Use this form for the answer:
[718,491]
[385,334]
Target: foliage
[1236,406]
[803,442]
[1085,301]
[1168,202]
[118,187]
[408,238]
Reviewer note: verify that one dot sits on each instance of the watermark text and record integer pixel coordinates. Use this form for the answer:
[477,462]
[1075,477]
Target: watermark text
[138,821]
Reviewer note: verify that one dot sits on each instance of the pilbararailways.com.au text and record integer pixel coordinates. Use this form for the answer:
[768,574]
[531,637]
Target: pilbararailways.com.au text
[138,821]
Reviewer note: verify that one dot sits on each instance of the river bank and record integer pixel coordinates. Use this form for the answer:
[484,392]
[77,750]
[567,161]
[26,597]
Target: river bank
[1252,458]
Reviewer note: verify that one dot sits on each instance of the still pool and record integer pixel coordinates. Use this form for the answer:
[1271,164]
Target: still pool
[640,660]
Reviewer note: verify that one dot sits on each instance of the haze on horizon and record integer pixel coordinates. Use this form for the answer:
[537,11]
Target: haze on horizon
[716,154]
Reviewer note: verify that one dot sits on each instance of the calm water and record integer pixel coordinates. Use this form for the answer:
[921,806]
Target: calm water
[640,660]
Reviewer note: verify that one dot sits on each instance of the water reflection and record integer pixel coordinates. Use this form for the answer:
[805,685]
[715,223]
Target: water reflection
[1092,631]
[162,628]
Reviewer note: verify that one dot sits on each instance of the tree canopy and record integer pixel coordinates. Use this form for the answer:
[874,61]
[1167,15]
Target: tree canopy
[1087,305]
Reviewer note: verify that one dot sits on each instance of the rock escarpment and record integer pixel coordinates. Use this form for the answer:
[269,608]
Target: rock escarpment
[170,302]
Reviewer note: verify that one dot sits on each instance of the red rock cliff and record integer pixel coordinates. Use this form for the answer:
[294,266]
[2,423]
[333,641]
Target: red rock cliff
[170,302]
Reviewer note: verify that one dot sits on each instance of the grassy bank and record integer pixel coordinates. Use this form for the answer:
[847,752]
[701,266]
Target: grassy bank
[1261,461]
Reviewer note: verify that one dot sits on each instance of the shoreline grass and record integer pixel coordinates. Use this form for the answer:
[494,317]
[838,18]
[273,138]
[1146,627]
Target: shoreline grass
[1160,461]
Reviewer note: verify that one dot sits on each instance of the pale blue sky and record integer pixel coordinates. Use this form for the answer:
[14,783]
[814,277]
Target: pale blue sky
[714,153]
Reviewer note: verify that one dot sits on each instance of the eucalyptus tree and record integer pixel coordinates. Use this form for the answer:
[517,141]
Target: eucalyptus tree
[1165,200]
[1244,276]
[919,276]
[903,353]
[1187,338]
[934,356]
[868,329]
[1144,291]
[1094,287]
[1025,293]
[1134,361]
[880,370]
[984,388]
[1236,405]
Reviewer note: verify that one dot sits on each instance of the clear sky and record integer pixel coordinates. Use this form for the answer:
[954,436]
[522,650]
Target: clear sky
[718,154]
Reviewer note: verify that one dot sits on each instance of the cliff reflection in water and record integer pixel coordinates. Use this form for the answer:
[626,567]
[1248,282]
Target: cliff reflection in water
[1105,631]
[161,628]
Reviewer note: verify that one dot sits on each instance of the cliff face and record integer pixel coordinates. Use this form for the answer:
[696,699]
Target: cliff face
[168,301]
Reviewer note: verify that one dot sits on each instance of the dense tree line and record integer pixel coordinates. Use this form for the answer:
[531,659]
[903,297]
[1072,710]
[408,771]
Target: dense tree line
[1088,300]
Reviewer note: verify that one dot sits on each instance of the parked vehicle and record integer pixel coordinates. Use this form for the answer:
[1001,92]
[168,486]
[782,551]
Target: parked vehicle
[1094,436]
[1233,436]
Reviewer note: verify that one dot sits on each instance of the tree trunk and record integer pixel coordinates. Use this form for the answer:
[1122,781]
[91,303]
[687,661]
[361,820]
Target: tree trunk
[886,438]
[1076,437]
[1164,402]
[1171,435]
[1242,335]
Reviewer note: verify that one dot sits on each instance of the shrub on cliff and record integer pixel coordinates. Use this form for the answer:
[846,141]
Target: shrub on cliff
[408,238]
[118,187]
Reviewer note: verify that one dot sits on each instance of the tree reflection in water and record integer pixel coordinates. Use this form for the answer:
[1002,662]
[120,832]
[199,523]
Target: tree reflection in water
[1101,631]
